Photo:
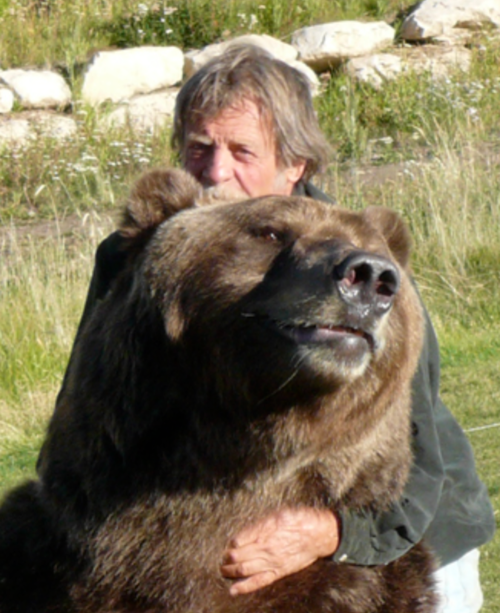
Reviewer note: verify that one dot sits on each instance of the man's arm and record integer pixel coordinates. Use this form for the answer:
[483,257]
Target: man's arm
[109,262]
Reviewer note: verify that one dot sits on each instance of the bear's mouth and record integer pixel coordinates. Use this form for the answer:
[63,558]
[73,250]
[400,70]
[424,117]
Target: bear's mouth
[317,334]
[323,334]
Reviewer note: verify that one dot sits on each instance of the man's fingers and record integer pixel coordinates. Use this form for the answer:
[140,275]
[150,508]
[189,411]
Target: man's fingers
[244,562]
[243,569]
[248,552]
[255,582]
[284,542]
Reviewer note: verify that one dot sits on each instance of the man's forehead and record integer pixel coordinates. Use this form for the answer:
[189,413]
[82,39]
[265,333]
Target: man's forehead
[242,121]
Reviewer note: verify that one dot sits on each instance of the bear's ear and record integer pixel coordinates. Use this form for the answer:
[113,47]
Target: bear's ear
[395,231]
[156,196]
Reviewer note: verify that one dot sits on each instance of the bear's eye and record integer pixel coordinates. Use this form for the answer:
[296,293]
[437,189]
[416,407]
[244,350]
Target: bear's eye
[270,234]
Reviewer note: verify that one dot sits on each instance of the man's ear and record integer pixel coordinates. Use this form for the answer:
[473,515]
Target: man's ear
[393,228]
[295,172]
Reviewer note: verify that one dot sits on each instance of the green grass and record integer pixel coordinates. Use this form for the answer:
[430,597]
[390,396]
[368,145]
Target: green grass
[443,136]
[90,172]
[469,384]
[42,288]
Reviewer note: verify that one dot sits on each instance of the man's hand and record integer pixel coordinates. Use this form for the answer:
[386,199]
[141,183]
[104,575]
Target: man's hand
[282,543]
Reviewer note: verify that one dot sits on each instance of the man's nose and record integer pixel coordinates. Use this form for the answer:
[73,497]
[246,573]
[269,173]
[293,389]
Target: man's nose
[220,166]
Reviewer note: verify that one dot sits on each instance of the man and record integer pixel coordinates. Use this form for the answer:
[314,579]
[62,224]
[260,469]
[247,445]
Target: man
[245,127]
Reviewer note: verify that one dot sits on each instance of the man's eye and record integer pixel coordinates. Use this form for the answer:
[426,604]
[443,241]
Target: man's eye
[197,149]
[244,153]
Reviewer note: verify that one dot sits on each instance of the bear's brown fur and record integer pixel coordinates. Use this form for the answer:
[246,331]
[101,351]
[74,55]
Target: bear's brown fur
[251,356]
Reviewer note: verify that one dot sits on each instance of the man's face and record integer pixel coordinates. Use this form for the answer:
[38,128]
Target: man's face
[234,155]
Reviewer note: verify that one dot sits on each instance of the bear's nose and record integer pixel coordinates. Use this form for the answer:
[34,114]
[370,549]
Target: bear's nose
[367,281]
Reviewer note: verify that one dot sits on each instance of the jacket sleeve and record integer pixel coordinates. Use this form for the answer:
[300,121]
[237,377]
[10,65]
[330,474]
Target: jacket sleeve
[109,261]
[444,499]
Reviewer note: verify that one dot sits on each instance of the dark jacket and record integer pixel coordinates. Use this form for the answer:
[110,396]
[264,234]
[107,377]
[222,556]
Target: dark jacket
[444,499]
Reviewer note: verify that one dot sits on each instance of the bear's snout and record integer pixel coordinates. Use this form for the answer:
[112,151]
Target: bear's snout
[367,282]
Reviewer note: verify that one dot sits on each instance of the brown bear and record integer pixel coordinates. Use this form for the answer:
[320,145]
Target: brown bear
[250,356]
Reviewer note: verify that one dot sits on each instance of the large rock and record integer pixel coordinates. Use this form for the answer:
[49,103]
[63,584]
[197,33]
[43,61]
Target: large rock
[439,62]
[309,73]
[51,125]
[194,60]
[13,131]
[435,18]
[121,75]
[37,89]
[328,45]
[144,113]
[374,69]
[20,129]
[6,100]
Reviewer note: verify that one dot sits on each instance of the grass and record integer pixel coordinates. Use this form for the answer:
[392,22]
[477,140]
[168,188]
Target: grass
[442,137]
[42,289]
[469,384]
[90,172]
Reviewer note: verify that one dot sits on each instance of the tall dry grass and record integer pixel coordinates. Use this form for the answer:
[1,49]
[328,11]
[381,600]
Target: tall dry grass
[43,281]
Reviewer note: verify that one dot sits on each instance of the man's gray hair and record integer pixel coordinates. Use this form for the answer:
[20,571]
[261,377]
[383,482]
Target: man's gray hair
[282,94]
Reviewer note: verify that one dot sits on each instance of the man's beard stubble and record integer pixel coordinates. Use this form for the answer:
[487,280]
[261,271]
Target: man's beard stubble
[219,194]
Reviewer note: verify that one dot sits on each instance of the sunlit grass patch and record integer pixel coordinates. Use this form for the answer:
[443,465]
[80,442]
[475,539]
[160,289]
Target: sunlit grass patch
[469,385]
[22,428]
[42,288]
[43,281]
[92,171]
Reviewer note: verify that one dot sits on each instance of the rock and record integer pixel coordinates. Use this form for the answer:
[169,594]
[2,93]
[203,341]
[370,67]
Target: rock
[455,36]
[326,46]
[375,69]
[309,73]
[21,129]
[6,100]
[440,62]
[144,113]
[121,75]
[194,60]
[50,125]
[38,89]
[14,131]
[433,18]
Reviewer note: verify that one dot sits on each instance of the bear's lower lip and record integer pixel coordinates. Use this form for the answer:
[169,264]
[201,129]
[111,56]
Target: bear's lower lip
[321,334]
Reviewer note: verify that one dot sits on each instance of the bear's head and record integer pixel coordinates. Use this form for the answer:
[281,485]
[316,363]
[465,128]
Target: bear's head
[237,335]
[277,298]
